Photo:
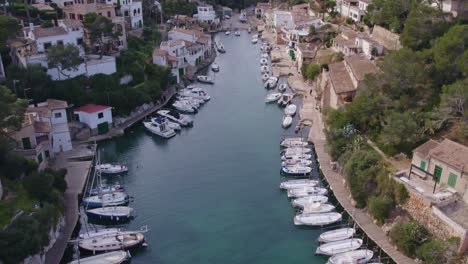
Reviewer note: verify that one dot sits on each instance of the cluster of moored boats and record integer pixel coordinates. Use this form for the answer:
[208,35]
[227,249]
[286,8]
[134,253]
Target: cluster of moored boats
[108,204]
[311,200]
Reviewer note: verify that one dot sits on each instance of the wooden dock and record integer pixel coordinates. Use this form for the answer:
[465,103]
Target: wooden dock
[337,184]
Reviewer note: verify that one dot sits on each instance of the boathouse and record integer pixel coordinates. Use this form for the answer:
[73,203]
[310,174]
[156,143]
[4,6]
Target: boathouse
[97,117]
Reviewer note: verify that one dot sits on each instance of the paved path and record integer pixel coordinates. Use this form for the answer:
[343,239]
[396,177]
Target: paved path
[77,173]
[337,183]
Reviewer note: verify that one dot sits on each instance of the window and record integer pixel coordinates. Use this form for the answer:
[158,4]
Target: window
[126,13]
[108,13]
[100,115]
[47,45]
[452,180]
[80,16]
[79,41]
[26,143]
[58,115]
[60,42]
[47,153]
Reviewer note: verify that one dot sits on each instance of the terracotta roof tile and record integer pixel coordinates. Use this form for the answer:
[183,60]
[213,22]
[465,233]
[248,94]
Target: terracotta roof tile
[360,66]
[340,79]
[92,108]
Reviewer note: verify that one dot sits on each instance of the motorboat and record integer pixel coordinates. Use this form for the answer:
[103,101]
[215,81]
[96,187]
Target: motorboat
[254,40]
[295,156]
[287,121]
[215,67]
[265,77]
[290,110]
[296,150]
[108,199]
[318,208]
[306,191]
[317,219]
[296,170]
[192,102]
[265,55]
[160,128]
[122,240]
[205,79]
[285,99]
[305,201]
[282,88]
[291,184]
[113,257]
[114,213]
[337,234]
[273,97]
[177,117]
[269,84]
[359,256]
[196,93]
[184,107]
[263,61]
[264,69]
[100,232]
[170,124]
[293,144]
[237,33]
[296,162]
[291,139]
[106,189]
[249,30]
[111,168]
[227,32]
[337,247]
[220,47]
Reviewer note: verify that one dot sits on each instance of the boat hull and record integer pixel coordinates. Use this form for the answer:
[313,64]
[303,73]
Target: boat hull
[338,247]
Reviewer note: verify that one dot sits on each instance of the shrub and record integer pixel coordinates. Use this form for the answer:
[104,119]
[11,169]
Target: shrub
[408,237]
[400,192]
[47,24]
[380,207]
[310,71]
[349,21]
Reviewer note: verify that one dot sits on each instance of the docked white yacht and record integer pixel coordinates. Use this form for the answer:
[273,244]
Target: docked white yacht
[170,124]
[159,126]
[215,67]
[113,257]
[205,79]
[175,116]
[254,40]
[359,256]
[273,97]
[282,87]
[111,168]
[108,199]
[296,170]
[287,121]
[183,107]
[306,191]
[298,162]
[337,234]
[337,247]
[122,240]
[227,32]
[290,110]
[296,150]
[100,232]
[317,219]
[293,144]
[220,47]
[305,201]
[292,184]
[291,139]
[117,213]
[317,208]
[295,156]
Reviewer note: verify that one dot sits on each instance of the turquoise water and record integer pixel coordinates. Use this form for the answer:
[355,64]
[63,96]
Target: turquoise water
[210,194]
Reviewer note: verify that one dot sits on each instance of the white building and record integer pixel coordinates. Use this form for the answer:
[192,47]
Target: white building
[132,11]
[283,19]
[193,36]
[354,9]
[206,14]
[33,50]
[97,117]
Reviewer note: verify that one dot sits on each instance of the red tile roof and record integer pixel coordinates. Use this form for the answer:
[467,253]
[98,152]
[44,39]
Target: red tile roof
[92,108]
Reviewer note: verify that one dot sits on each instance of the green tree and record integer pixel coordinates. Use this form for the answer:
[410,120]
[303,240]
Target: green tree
[454,100]
[310,71]
[390,14]
[11,110]
[424,24]
[100,30]
[64,58]
[34,77]
[400,129]
[380,207]
[9,27]
[408,236]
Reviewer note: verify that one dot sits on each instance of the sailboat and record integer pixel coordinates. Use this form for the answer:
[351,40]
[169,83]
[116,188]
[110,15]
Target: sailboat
[113,213]
[108,199]
[122,240]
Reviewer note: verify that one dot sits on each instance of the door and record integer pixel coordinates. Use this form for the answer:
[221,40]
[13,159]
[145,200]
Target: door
[26,143]
[103,128]
[292,55]
[437,173]
[452,180]
[423,165]
[181,72]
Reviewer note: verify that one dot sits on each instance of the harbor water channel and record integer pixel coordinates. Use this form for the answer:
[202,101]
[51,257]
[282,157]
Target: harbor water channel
[211,194]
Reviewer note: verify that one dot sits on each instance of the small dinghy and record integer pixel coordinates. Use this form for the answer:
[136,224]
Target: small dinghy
[287,121]
[290,110]
[220,47]
[305,201]
[237,33]
[114,213]
[111,168]
[273,97]
[359,256]
[317,208]
[205,79]
[298,162]
[306,191]
[296,150]
[215,67]
[119,241]
[114,257]
[292,184]
[295,156]
[291,139]
[282,87]
[254,40]
[293,144]
[265,77]
[160,129]
[227,32]
[338,247]
[110,199]
[285,99]
[336,235]
[296,170]
[265,55]
[264,69]
[317,219]
[183,120]
[100,232]
[263,61]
